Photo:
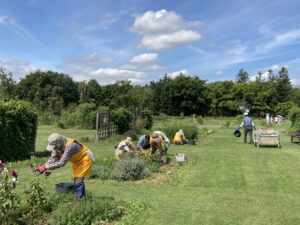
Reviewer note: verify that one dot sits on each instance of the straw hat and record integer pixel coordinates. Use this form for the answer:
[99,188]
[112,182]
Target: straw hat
[128,140]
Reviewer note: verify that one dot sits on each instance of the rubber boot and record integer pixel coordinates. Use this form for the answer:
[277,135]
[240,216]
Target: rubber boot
[79,190]
[164,159]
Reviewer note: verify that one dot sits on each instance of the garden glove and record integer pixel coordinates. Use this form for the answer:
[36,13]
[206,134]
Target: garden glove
[239,128]
[254,127]
[41,169]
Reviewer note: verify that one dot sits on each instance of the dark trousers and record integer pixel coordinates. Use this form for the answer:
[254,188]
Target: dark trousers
[248,129]
[79,187]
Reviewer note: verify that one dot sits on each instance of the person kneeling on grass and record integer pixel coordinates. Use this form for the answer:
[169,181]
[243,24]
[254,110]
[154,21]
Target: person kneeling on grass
[144,142]
[124,146]
[179,138]
[66,149]
[156,142]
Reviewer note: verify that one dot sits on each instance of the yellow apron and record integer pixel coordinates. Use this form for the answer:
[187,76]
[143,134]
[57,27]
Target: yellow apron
[177,137]
[162,142]
[81,162]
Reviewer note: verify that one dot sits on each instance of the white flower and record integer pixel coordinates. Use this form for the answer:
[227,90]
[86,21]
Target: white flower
[14,179]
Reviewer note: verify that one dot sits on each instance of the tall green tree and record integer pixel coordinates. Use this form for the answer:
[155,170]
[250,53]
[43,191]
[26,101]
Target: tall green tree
[242,76]
[7,84]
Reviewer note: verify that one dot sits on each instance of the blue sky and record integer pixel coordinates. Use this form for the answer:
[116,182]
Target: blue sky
[141,40]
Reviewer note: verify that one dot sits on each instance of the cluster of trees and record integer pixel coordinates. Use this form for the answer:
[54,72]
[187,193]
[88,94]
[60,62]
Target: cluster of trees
[53,92]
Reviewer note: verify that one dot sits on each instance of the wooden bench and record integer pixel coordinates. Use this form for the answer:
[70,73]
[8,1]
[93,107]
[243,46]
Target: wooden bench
[295,134]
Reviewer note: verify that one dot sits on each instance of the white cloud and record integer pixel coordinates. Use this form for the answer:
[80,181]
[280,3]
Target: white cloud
[219,73]
[295,82]
[21,68]
[166,41]
[83,64]
[144,58]
[110,75]
[177,73]
[12,25]
[162,30]
[283,39]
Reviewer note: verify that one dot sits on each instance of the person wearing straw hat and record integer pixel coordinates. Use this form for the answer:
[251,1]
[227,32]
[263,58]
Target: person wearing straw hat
[64,150]
[248,127]
[124,146]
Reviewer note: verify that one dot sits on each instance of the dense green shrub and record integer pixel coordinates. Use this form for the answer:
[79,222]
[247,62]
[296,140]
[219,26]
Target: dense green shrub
[200,119]
[295,117]
[130,169]
[122,118]
[18,126]
[147,116]
[47,118]
[170,128]
[83,117]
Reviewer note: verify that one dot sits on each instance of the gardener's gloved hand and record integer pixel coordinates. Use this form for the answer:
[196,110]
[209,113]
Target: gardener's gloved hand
[41,169]
[239,128]
[254,127]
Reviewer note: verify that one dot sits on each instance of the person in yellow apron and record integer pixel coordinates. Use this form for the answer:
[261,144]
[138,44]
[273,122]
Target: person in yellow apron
[179,138]
[156,142]
[64,150]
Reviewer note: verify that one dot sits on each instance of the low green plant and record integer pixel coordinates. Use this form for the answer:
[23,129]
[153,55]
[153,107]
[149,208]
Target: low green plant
[200,119]
[93,210]
[9,201]
[135,212]
[130,169]
[225,124]
[170,129]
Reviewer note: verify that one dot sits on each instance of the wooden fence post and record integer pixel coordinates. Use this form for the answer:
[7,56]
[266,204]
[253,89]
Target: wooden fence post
[97,128]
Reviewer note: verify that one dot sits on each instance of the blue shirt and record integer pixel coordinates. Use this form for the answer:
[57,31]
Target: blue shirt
[247,121]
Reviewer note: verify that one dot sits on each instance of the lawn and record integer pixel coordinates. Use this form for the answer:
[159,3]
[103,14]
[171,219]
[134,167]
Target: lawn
[224,181]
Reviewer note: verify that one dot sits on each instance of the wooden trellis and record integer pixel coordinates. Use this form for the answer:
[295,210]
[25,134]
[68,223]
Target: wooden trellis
[104,126]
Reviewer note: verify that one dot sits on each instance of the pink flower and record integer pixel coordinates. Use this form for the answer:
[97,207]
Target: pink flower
[14,173]
[47,174]
[1,164]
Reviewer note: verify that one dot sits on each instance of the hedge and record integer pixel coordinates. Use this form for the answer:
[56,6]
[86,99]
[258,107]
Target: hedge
[18,127]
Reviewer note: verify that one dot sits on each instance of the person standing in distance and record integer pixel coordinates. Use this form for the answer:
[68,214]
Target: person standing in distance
[248,127]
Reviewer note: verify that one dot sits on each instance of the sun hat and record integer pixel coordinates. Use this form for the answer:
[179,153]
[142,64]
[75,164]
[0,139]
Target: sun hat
[245,114]
[55,139]
[128,140]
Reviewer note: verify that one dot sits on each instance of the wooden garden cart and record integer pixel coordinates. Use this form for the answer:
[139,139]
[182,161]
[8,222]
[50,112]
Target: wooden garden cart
[266,137]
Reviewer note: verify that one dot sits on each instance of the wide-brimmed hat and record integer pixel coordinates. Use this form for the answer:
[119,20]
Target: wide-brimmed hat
[128,140]
[55,139]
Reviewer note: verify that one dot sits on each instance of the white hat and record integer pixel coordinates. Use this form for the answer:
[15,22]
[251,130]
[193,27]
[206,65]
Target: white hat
[245,114]
[55,139]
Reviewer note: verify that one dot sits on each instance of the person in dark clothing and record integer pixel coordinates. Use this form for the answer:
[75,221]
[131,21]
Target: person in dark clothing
[248,127]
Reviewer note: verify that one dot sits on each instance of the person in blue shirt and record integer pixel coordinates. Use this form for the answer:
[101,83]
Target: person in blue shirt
[248,127]
[144,142]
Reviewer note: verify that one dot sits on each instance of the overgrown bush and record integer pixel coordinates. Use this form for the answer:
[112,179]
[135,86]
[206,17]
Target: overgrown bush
[18,126]
[94,210]
[83,117]
[170,128]
[225,124]
[130,169]
[147,116]
[200,119]
[122,118]
[294,116]
[48,118]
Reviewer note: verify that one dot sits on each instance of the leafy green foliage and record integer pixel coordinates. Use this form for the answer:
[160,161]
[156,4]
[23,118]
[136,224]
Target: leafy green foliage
[295,117]
[130,169]
[147,116]
[83,117]
[94,210]
[170,128]
[200,119]
[18,126]
[122,118]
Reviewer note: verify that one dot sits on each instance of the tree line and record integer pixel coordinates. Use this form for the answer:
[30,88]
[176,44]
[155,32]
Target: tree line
[53,92]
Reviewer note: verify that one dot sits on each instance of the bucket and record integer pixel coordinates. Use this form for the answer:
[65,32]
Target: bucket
[64,187]
[192,142]
[180,158]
